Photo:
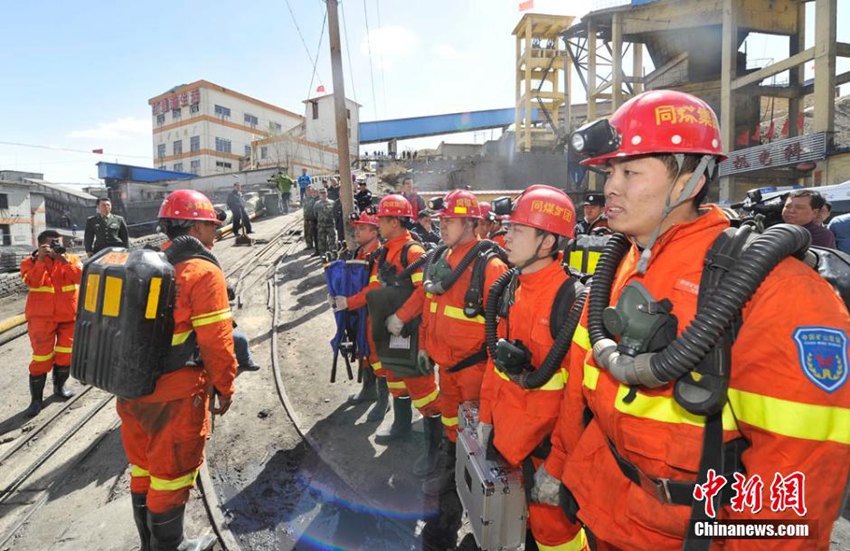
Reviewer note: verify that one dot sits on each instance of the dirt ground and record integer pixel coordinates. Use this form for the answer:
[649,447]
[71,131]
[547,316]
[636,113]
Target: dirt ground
[277,492]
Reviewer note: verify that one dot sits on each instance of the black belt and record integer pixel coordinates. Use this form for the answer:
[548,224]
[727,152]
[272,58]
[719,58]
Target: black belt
[676,492]
[469,361]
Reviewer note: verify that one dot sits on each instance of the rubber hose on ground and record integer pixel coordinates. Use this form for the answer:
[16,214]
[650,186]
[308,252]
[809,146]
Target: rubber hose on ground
[560,347]
[730,296]
[491,310]
[603,279]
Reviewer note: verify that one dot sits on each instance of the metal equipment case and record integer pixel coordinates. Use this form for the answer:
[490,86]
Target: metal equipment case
[492,492]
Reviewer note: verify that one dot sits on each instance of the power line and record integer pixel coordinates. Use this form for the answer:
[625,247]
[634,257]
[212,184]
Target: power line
[301,36]
[318,48]
[348,53]
[371,68]
[68,149]
[381,54]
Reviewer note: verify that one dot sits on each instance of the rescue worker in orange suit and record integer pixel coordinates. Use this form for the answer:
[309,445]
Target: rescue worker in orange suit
[633,469]
[490,226]
[374,379]
[518,420]
[453,340]
[164,432]
[52,276]
[419,392]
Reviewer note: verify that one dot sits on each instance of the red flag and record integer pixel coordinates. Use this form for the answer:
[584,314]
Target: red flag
[98,151]
[800,119]
[743,137]
[527,5]
[757,134]
[786,127]
[771,131]
[321,88]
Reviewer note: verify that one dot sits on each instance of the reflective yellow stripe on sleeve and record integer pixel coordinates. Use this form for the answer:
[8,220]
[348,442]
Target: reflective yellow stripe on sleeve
[422,402]
[557,382]
[179,338]
[45,289]
[373,279]
[66,288]
[416,278]
[210,314]
[164,484]
[398,385]
[457,313]
[138,471]
[794,419]
[212,319]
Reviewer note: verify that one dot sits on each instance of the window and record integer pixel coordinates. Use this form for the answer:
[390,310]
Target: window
[194,109]
[176,114]
[178,147]
[195,166]
[315,109]
[222,145]
[160,151]
[348,113]
[222,112]
[264,152]
[222,164]
[178,167]
[251,120]
[195,143]
[4,201]
[247,150]
[5,234]
[160,119]
[275,126]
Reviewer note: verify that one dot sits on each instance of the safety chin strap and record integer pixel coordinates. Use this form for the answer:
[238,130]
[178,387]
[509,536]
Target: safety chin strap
[536,256]
[705,167]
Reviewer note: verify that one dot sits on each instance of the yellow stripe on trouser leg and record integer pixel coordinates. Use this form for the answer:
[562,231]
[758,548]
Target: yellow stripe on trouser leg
[65,349]
[449,421]
[422,402]
[44,358]
[165,485]
[398,385]
[576,544]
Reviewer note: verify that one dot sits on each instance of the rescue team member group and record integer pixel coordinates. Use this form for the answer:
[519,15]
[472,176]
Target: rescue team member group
[619,462]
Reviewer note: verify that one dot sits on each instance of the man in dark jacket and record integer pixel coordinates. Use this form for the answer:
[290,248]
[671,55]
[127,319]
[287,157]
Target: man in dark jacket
[105,229]
[423,230]
[363,197]
[802,208]
[236,204]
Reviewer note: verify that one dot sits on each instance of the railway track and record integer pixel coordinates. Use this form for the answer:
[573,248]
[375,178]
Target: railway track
[27,459]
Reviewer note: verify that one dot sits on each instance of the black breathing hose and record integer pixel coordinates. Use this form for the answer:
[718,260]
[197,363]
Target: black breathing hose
[416,264]
[603,279]
[440,287]
[704,332]
[491,310]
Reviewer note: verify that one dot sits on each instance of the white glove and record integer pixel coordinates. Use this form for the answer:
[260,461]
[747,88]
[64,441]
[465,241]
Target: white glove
[340,304]
[546,488]
[482,433]
[394,325]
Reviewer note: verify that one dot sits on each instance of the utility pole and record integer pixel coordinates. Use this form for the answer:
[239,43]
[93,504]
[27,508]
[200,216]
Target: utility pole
[346,193]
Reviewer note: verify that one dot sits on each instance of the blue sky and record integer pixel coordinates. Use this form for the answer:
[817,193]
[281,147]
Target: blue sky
[78,75]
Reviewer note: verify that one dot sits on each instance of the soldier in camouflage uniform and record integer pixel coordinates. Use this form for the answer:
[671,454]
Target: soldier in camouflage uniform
[309,217]
[326,223]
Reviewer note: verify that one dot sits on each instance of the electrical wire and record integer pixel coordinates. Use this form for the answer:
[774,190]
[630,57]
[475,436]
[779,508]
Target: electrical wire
[318,48]
[371,68]
[68,149]
[348,53]
[301,36]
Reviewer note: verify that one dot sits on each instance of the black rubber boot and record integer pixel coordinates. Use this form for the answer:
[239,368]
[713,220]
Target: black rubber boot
[37,394]
[402,418]
[167,532]
[428,461]
[443,480]
[382,406]
[368,392]
[60,377]
[140,515]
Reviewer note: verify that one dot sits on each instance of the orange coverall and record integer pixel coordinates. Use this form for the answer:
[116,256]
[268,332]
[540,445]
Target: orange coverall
[448,336]
[498,238]
[51,309]
[422,390]
[790,423]
[522,418]
[355,302]
[164,433]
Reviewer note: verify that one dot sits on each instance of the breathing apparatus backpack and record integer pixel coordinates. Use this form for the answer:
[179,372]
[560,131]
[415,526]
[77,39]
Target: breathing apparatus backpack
[125,318]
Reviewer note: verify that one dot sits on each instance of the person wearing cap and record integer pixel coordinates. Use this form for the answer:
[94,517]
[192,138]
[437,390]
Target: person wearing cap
[363,197]
[491,225]
[423,229]
[633,451]
[594,220]
[514,419]
[164,433]
[308,201]
[324,211]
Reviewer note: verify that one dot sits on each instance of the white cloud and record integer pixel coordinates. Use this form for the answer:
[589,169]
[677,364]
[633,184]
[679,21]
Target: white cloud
[125,128]
[445,51]
[390,44]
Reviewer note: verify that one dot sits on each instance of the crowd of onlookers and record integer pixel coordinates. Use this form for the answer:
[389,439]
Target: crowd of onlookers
[808,208]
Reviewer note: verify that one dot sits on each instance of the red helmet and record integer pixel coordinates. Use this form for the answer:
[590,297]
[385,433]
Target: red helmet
[365,219]
[487,213]
[545,208]
[188,204]
[395,205]
[460,204]
[663,121]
